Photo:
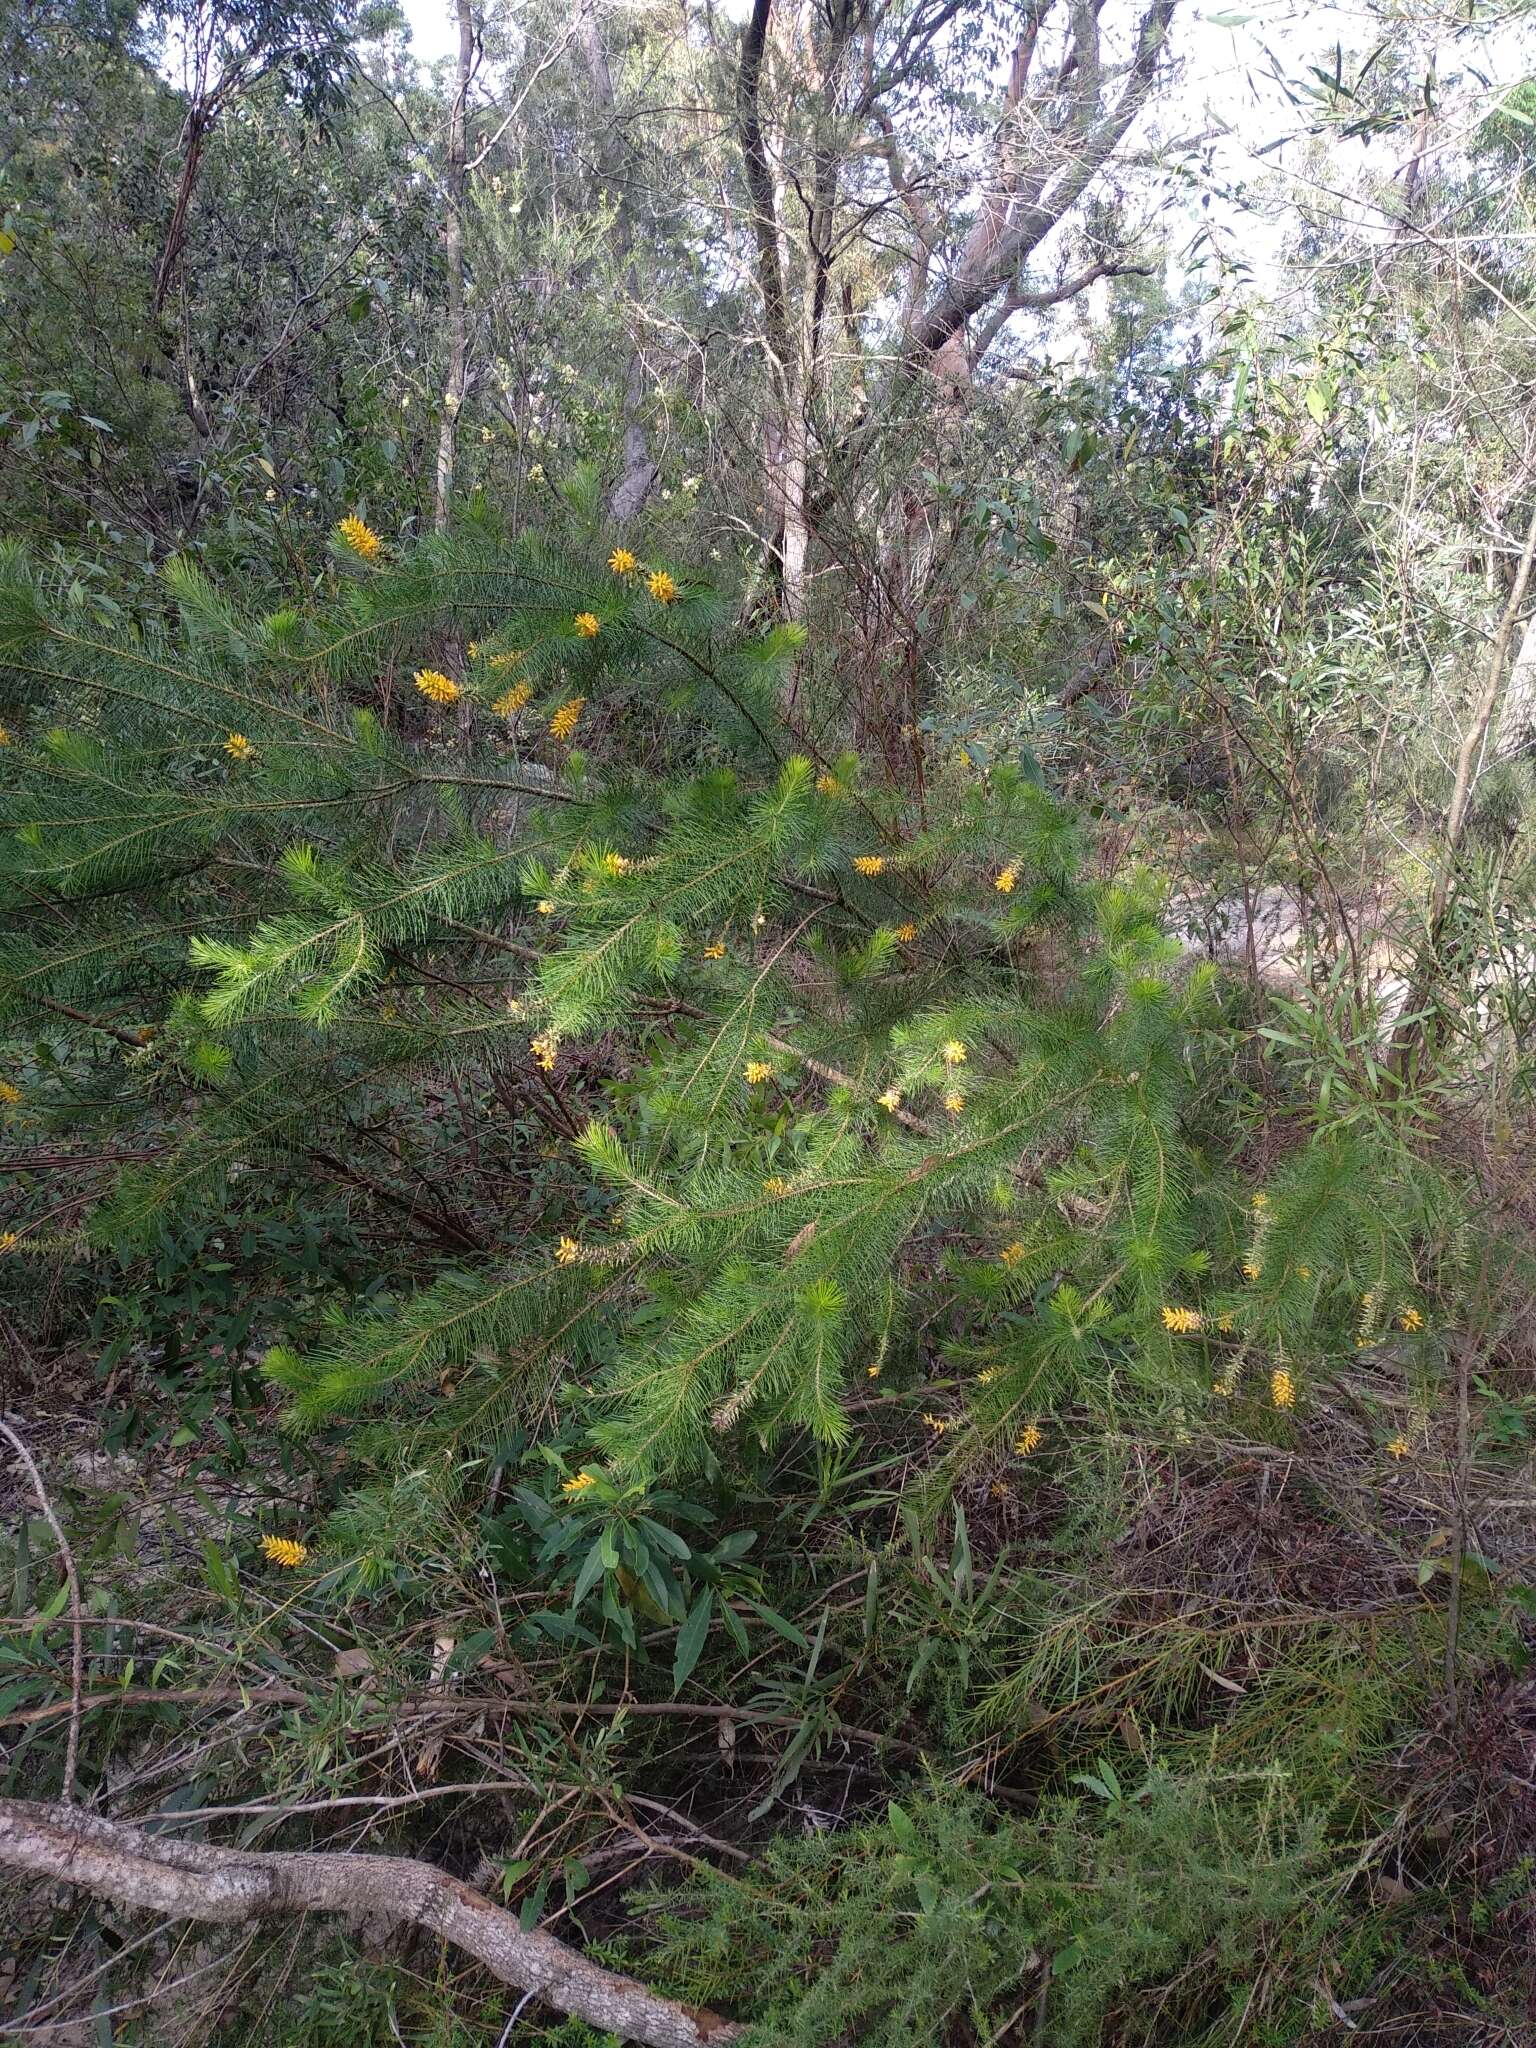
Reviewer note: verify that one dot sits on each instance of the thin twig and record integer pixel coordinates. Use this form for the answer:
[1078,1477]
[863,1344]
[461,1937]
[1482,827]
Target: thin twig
[76,1613]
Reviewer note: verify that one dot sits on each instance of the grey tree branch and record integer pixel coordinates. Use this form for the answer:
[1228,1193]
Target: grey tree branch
[194,1881]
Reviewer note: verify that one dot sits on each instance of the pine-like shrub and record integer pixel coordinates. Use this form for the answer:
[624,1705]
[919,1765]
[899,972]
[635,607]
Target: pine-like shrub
[937,1922]
[868,1089]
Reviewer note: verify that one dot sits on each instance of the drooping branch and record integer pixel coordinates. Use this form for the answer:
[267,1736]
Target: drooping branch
[193,1881]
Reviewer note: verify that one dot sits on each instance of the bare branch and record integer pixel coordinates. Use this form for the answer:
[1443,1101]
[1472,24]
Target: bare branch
[193,1881]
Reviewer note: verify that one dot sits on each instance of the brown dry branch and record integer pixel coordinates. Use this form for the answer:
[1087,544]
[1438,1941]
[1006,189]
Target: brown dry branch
[194,1881]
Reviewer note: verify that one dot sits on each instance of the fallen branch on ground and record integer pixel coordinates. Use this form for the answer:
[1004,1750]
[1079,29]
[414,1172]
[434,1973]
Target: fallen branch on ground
[193,1881]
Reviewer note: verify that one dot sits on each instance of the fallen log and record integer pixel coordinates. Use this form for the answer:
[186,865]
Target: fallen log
[194,1881]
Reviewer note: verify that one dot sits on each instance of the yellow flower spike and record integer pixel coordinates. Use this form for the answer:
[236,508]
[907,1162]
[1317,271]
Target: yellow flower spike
[508,660]
[937,1423]
[1226,1385]
[615,864]
[776,1185]
[239,748]
[5,736]
[623,563]
[1282,1388]
[1303,1272]
[436,687]
[1251,1271]
[869,863]
[567,1252]
[1410,1320]
[1003,883]
[1260,1201]
[714,951]
[284,1551]
[757,1070]
[1029,1440]
[1000,1490]
[661,587]
[566,719]
[986,1376]
[872,1372]
[544,1049]
[587,624]
[544,907]
[10,1094]
[510,702]
[954,1102]
[1399,1447]
[1182,1321]
[890,1100]
[580,1484]
[906,933]
[360,537]
[953,1052]
[828,784]
[8,1241]
[1224,1324]
[1011,1254]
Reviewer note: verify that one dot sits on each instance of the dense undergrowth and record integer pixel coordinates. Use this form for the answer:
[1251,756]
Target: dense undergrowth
[837,1360]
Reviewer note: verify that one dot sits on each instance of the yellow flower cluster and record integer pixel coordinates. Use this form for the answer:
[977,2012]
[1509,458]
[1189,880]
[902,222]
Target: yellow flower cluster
[986,1376]
[906,933]
[566,719]
[360,537]
[543,1049]
[828,784]
[239,748]
[5,736]
[544,907]
[953,1052]
[8,1241]
[937,1423]
[890,1100]
[1410,1320]
[510,702]
[1004,882]
[776,1186]
[615,864]
[284,1551]
[582,1483]
[10,1094]
[1182,1321]
[869,863]
[757,1070]
[954,1102]
[1029,1439]
[508,660]
[714,951]
[587,625]
[872,1372]
[1011,1254]
[1399,1447]
[1251,1270]
[1282,1388]
[436,687]
[662,587]
[567,1252]
[623,563]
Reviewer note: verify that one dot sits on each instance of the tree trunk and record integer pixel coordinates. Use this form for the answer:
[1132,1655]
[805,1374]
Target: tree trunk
[192,1881]
[1468,760]
[1517,714]
[638,479]
[453,253]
